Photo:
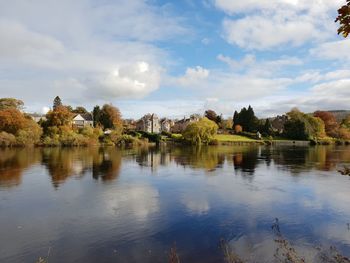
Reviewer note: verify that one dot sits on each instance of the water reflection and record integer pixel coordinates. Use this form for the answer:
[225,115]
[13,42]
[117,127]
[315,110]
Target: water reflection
[12,164]
[101,204]
[105,163]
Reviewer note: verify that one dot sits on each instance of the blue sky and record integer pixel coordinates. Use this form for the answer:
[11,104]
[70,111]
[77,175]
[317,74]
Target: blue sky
[175,58]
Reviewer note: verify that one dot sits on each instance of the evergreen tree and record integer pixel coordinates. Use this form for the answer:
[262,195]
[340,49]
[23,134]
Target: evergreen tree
[57,103]
[96,113]
[235,119]
[267,129]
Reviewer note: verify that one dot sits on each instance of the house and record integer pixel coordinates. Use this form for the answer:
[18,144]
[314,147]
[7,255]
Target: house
[180,125]
[83,120]
[129,125]
[166,124]
[149,123]
[278,123]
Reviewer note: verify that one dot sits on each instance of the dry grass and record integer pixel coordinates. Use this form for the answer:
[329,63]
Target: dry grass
[345,170]
[229,255]
[173,256]
[285,252]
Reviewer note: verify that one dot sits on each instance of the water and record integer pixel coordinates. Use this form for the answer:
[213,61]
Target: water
[110,205]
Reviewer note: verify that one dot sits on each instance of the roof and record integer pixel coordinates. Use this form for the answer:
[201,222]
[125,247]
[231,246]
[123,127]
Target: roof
[85,116]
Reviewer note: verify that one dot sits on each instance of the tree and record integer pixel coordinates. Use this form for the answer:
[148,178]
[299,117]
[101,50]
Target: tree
[110,118]
[235,119]
[61,116]
[346,122]
[344,19]
[211,115]
[57,103]
[80,110]
[96,114]
[247,119]
[238,129]
[11,103]
[202,131]
[267,128]
[11,120]
[301,126]
[330,122]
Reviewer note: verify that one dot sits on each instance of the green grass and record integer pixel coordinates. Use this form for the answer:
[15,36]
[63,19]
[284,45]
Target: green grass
[232,138]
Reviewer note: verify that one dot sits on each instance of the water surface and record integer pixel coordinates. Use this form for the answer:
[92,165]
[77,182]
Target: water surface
[110,205]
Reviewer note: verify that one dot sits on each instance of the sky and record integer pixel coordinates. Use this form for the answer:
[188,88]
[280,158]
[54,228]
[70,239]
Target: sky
[175,58]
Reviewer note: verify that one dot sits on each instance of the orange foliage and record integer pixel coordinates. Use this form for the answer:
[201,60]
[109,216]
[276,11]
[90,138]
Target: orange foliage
[344,133]
[330,122]
[11,120]
[61,116]
[238,129]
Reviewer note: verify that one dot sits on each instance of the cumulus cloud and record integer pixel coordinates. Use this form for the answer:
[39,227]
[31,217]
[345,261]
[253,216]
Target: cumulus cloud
[263,32]
[194,76]
[268,24]
[129,81]
[333,50]
[98,51]
[233,7]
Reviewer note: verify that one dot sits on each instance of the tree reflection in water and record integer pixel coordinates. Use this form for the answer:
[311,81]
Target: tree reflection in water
[12,164]
[105,163]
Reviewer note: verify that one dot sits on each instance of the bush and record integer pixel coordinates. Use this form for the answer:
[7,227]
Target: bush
[51,141]
[238,129]
[344,133]
[7,139]
[152,137]
[202,131]
[73,139]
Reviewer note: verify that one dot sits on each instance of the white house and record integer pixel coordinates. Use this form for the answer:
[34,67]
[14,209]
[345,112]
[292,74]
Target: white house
[149,123]
[82,120]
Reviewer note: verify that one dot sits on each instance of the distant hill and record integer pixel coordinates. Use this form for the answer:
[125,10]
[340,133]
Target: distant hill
[340,114]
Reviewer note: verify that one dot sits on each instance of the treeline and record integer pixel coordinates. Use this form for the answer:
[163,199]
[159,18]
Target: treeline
[321,127]
[56,129]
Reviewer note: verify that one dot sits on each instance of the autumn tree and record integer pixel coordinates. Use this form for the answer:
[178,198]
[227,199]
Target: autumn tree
[24,128]
[57,103]
[11,103]
[11,120]
[110,117]
[301,126]
[346,122]
[80,110]
[60,116]
[202,131]
[344,19]
[238,128]
[330,122]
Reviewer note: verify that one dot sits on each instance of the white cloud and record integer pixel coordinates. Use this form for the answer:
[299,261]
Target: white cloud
[128,81]
[317,6]
[334,50]
[264,32]
[248,60]
[194,76]
[78,57]
[277,23]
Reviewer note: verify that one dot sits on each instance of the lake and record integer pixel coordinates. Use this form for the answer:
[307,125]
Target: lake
[134,205]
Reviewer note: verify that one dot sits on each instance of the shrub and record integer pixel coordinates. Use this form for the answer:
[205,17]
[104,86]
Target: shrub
[51,141]
[238,129]
[199,132]
[7,139]
[344,133]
